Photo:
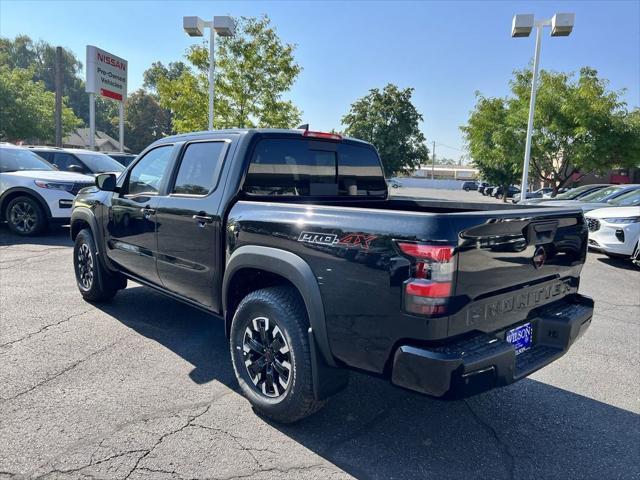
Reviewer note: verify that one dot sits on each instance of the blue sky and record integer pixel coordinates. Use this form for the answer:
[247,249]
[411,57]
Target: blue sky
[445,50]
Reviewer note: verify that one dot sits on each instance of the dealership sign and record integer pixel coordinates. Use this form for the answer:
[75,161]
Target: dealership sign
[106,74]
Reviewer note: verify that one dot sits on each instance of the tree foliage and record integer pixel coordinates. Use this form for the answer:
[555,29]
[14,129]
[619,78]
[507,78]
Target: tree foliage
[27,108]
[494,142]
[254,68]
[389,120]
[145,121]
[580,126]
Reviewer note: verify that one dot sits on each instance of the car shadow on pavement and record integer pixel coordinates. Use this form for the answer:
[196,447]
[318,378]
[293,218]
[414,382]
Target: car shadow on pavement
[624,263]
[373,430]
[53,237]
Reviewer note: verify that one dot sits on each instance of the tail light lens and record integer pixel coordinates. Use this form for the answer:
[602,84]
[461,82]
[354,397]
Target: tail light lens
[428,290]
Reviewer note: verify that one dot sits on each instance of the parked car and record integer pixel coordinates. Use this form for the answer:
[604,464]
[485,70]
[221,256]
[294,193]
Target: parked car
[615,231]
[549,194]
[598,199]
[488,191]
[33,194]
[535,194]
[466,186]
[78,160]
[572,194]
[123,158]
[482,186]
[301,260]
[498,192]
[394,182]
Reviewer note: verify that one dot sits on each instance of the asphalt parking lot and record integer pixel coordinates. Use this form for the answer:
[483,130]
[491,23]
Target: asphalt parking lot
[143,388]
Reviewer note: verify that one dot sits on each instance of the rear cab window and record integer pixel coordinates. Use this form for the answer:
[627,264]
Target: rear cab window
[303,167]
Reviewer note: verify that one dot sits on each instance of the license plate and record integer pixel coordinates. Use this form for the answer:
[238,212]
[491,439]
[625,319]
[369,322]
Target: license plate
[521,338]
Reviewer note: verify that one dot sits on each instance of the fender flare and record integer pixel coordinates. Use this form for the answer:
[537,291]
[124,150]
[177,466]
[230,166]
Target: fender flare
[294,269]
[26,191]
[86,215]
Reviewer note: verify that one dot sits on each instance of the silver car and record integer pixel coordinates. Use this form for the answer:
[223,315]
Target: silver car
[599,199]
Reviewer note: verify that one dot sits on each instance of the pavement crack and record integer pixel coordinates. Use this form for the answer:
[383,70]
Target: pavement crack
[504,448]
[61,372]
[163,437]
[46,327]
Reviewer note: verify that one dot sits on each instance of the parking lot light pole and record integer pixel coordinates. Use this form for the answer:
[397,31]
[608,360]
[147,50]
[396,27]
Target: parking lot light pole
[223,26]
[561,26]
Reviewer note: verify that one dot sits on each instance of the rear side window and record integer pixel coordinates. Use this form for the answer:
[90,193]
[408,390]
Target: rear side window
[301,167]
[198,168]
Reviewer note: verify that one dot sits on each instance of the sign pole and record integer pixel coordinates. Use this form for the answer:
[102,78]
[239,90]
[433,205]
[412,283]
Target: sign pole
[121,125]
[58,112]
[92,121]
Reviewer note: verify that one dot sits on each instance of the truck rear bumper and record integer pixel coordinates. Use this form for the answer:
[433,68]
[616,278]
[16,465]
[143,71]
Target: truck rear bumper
[485,361]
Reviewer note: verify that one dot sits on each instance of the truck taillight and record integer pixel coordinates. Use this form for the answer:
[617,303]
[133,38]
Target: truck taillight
[428,290]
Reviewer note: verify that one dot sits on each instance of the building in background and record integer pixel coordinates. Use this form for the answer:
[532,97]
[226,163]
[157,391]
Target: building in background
[79,138]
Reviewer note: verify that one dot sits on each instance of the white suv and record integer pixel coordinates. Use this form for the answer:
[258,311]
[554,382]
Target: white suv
[33,193]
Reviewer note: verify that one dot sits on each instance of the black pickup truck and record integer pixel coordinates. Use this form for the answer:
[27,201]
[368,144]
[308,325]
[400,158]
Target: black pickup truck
[291,238]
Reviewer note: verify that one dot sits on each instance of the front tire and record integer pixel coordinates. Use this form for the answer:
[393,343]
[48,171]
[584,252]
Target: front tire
[271,356]
[94,282]
[25,216]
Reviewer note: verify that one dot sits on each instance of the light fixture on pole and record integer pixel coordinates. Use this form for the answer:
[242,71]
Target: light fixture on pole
[561,26]
[223,26]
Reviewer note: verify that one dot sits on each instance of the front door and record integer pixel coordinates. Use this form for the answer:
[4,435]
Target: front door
[189,224]
[132,223]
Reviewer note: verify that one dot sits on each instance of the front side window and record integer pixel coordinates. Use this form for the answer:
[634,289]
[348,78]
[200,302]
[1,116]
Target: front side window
[301,167]
[197,172]
[146,176]
[629,199]
[63,161]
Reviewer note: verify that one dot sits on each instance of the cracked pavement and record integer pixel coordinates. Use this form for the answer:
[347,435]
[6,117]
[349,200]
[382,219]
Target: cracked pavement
[142,388]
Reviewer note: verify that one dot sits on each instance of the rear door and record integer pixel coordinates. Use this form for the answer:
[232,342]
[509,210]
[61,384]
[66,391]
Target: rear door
[514,262]
[189,223]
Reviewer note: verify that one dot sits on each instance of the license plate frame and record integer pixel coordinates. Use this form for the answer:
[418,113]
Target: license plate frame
[520,337]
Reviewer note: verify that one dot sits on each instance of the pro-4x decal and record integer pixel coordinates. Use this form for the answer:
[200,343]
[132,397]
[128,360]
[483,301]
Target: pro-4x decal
[360,240]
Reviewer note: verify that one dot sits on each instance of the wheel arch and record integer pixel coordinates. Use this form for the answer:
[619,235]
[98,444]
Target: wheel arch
[14,192]
[278,266]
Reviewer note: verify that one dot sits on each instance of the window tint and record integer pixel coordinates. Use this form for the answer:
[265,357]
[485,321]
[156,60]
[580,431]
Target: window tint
[46,155]
[300,167]
[146,176]
[196,175]
[63,161]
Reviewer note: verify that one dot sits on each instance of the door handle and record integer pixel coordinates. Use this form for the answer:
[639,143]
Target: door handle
[202,219]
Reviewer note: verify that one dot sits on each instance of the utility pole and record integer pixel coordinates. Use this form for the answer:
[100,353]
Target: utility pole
[58,82]
[433,160]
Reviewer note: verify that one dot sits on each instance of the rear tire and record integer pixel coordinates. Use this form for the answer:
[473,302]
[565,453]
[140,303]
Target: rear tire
[95,283]
[276,379]
[25,216]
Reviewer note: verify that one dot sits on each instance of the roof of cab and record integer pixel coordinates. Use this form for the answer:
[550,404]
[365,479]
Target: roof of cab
[240,131]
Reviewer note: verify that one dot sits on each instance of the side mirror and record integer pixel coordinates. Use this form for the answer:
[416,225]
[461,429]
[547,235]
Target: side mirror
[75,169]
[106,182]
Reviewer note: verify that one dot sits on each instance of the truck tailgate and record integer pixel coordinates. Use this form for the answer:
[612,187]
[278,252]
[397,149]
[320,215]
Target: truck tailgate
[510,263]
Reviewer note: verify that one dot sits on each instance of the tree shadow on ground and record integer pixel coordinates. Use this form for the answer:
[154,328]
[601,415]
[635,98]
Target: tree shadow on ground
[374,430]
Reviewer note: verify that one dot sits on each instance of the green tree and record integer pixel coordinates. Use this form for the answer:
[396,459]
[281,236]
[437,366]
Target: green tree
[23,52]
[158,70]
[27,108]
[254,68]
[389,120]
[145,121]
[580,126]
[493,141]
